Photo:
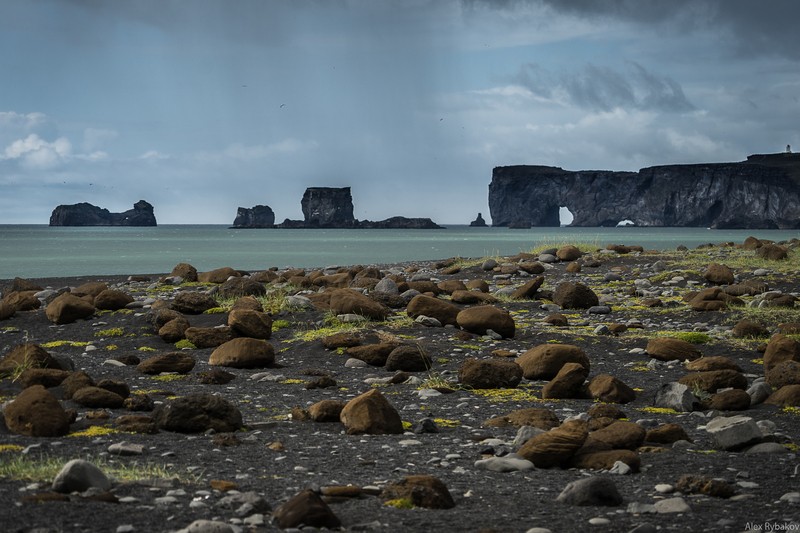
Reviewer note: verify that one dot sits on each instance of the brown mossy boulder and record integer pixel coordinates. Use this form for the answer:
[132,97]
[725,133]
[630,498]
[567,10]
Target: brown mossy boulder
[197,413]
[75,382]
[568,253]
[569,295]
[667,434]
[158,317]
[46,377]
[346,301]
[620,435]
[112,300]
[326,410]
[236,287]
[441,310]
[544,361]
[528,290]
[408,358]
[772,252]
[784,373]
[489,374]
[22,284]
[780,348]
[25,356]
[557,446]
[422,490]
[208,337]
[712,299]
[483,318]
[67,308]
[371,413]
[786,396]
[730,400]
[179,362]
[556,319]
[243,352]
[609,389]
[308,509]
[340,280]
[250,323]
[425,287]
[477,285]
[531,416]
[693,484]
[218,275]
[669,349]
[373,354]
[568,383]
[344,339]
[36,413]
[185,271]
[248,302]
[193,302]
[97,398]
[472,297]
[605,459]
[174,330]
[90,288]
[449,286]
[22,300]
[719,274]
[716,362]
[713,380]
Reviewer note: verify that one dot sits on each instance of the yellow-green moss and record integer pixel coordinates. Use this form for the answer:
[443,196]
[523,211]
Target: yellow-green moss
[507,395]
[407,425]
[185,343]
[447,422]
[169,377]
[146,349]
[111,332]
[280,324]
[400,503]
[59,344]
[112,347]
[291,381]
[216,310]
[659,410]
[5,448]
[94,431]
[791,410]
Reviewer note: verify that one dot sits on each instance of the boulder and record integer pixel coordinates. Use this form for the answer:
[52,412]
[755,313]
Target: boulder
[218,275]
[482,318]
[97,398]
[676,396]
[772,252]
[179,362]
[780,348]
[528,290]
[197,413]
[7,310]
[243,352]
[730,400]
[345,301]
[208,337]
[568,383]
[36,413]
[193,302]
[441,310]
[605,459]
[713,380]
[422,490]
[667,434]
[786,396]
[489,374]
[557,446]
[326,410]
[67,308]
[250,323]
[545,361]
[591,491]
[79,475]
[22,300]
[372,354]
[371,413]
[531,416]
[569,295]
[174,330]
[718,274]
[408,358]
[472,297]
[46,377]
[609,389]
[112,299]
[568,253]
[619,435]
[307,509]
[185,271]
[237,287]
[90,288]
[24,356]
[784,373]
[734,432]
[717,362]
[669,349]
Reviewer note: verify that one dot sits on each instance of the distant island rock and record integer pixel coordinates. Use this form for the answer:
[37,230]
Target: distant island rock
[259,216]
[762,192]
[478,222]
[85,214]
[332,207]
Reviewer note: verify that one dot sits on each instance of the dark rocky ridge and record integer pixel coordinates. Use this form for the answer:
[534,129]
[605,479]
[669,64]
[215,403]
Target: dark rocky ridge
[332,207]
[760,193]
[85,214]
[259,216]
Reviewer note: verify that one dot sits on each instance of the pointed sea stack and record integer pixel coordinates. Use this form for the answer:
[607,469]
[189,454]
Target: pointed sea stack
[478,222]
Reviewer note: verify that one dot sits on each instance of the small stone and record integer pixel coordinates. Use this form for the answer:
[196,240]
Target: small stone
[509,463]
[79,475]
[599,521]
[126,448]
[672,505]
[591,491]
[664,488]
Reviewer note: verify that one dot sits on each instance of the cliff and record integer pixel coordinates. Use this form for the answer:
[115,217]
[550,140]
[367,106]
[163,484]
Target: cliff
[760,193]
[332,207]
[260,216]
[85,214]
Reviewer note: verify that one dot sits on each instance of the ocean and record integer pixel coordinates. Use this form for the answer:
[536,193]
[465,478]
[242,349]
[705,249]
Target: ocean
[41,251]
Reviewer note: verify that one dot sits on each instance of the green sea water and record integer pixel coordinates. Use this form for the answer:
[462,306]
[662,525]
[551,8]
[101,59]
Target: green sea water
[40,251]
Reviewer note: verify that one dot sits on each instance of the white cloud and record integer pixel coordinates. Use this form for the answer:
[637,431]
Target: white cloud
[153,155]
[35,152]
[18,120]
[96,138]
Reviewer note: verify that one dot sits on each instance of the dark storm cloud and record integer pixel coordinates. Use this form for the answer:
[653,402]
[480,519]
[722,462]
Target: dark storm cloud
[603,88]
[748,28]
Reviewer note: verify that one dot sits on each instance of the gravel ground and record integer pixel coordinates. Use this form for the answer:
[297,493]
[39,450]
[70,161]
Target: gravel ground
[277,456]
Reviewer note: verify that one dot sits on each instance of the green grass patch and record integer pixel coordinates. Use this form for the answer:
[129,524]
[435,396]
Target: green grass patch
[111,332]
[400,503]
[166,378]
[59,344]
[94,431]
[185,343]
[278,325]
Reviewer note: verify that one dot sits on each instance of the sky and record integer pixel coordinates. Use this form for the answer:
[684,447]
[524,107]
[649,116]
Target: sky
[203,106]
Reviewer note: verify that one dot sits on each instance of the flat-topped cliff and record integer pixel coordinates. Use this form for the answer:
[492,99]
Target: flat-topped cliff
[762,192]
[85,214]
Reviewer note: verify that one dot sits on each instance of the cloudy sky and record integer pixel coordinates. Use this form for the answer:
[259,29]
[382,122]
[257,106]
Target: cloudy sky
[201,106]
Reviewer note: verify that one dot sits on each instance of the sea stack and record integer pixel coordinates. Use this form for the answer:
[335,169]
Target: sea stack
[85,214]
[259,216]
[478,222]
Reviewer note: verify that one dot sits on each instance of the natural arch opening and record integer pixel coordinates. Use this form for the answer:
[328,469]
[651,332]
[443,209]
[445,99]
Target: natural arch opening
[565,216]
[626,222]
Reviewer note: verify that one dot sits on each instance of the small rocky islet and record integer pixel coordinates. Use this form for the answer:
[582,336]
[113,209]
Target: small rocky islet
[562,389]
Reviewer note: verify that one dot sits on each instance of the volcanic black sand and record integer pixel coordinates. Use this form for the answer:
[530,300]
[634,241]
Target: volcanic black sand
[277,456]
